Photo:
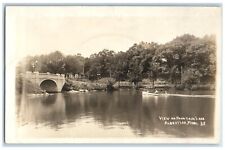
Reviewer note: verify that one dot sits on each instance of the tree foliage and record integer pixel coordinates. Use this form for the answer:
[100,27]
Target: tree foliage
[186,59]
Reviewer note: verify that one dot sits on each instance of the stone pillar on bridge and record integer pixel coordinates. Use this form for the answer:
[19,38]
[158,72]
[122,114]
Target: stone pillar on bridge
[60,81]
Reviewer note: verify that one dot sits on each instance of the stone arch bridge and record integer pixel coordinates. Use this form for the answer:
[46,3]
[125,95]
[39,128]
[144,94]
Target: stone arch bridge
[48,82]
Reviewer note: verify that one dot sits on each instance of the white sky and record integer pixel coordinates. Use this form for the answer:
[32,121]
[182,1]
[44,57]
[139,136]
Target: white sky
[40,30]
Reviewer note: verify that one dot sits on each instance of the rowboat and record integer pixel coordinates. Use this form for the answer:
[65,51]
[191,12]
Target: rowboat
[83,90]
[146,93]
[73,91]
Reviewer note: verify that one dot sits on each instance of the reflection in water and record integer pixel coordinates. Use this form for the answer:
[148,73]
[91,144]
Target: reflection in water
[123,111]
[48,110]
[49,100]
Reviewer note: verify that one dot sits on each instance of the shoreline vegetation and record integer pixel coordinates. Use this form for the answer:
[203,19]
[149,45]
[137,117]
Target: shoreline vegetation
[185,63]
[105,84]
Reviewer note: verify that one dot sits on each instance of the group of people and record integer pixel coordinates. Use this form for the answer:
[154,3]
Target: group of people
[157,92]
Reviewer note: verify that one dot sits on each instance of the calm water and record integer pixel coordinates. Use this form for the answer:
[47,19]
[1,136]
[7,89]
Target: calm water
[124,113]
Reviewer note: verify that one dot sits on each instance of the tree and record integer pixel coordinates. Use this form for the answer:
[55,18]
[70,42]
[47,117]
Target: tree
[120,66]
[56,63]
[100,65]
[74,64]
[140,58]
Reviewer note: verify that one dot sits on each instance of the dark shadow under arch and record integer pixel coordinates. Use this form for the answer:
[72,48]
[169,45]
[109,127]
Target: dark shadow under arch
[49,86]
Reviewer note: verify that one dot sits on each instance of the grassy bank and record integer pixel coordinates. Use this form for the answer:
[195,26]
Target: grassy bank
[102,84]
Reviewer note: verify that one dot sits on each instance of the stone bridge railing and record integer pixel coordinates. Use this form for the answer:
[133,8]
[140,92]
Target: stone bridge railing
[44,75]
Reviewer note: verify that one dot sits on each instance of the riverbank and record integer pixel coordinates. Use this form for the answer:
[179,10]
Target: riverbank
[77,85]
[107,84]
[112,84]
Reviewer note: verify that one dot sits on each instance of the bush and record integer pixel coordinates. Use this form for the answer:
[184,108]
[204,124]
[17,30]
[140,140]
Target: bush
[77,85]
[180,87]
[106,80]
[203,87]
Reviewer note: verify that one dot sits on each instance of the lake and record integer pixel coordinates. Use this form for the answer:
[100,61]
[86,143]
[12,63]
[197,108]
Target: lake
[122,113]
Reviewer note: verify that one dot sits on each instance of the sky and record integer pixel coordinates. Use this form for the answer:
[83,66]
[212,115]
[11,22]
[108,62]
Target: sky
[35,30]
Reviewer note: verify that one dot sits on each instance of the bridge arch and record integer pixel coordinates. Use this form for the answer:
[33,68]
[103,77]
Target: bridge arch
[48,82]
[49,85]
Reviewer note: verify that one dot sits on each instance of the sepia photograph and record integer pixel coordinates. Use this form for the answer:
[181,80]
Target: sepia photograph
[112,74]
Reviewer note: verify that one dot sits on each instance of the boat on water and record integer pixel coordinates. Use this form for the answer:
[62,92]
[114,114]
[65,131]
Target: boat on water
[146,93]
[73,91]
[83,90]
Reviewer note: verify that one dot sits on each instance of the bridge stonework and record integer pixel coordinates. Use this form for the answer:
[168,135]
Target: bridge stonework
[39,78]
